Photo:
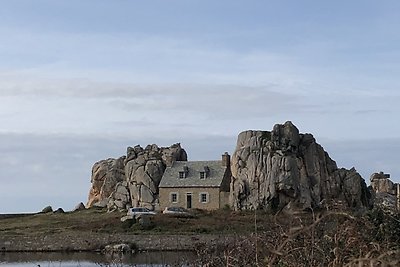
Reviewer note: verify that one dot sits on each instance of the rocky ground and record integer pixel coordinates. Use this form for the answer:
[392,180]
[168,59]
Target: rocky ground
[319,238]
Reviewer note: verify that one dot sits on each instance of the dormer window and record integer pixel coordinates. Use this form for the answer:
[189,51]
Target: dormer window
[183,173]
[205,172]
[185,169]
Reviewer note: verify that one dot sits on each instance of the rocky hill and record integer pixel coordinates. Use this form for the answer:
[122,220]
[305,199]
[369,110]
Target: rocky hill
[271,170]
[284,168]
[132,180]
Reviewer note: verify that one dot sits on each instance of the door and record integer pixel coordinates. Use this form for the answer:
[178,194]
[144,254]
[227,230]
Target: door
[189,201]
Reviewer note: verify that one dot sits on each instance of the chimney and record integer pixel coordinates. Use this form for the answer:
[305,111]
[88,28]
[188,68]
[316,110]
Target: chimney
[226,160]
[169,161]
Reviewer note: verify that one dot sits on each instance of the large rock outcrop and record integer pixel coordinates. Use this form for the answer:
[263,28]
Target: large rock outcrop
[105,175]
[283,168]
[132,180]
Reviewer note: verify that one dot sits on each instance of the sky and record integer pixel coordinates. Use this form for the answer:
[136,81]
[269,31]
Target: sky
[80,81]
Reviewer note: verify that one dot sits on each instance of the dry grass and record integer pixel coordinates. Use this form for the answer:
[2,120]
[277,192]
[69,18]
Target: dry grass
[330,239]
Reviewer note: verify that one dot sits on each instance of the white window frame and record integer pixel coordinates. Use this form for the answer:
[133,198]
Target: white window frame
[204,174]
[171,198]
[182,175]
[201,197]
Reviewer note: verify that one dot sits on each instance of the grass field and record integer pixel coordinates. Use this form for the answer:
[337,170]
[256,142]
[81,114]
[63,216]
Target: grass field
[92,220]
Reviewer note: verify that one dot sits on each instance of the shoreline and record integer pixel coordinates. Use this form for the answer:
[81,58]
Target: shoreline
[97,242]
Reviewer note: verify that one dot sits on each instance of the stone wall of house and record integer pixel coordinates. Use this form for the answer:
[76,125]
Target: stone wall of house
[212,204]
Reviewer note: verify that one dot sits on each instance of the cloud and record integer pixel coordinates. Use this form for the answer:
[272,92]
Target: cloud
[368,111]
[136,58]
[116,108]
[128,109]
[13,85]
[214,102]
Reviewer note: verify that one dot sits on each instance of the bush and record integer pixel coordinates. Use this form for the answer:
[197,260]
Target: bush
[386,226]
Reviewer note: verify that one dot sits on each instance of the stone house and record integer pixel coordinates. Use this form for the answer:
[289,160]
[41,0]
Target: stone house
[196,184]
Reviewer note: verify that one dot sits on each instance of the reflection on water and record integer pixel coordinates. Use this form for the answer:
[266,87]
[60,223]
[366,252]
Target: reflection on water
[95,259]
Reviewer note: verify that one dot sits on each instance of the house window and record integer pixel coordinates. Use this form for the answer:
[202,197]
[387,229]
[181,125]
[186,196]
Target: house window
[202,175]
[203,198]
[182,175]
[174,197]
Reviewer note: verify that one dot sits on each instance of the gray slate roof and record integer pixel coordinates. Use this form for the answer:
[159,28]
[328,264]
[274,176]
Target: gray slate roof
[214,178]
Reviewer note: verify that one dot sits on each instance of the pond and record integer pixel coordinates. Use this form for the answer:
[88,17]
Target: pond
[143,259]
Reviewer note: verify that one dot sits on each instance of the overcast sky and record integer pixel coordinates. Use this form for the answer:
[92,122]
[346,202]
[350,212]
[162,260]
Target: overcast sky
[82,80]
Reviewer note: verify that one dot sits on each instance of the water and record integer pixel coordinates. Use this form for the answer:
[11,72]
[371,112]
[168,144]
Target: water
[144,259]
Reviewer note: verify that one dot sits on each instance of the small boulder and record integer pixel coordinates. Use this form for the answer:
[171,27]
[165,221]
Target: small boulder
[79,207]
[59,211]
[127,217]
[118,248]
[47,209]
